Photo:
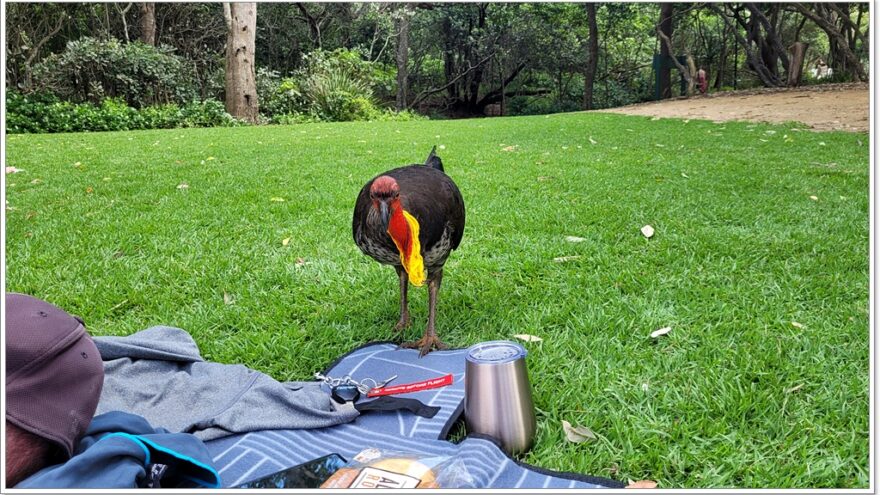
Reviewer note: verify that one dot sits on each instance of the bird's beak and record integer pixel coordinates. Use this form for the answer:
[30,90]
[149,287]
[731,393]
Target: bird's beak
[384,214]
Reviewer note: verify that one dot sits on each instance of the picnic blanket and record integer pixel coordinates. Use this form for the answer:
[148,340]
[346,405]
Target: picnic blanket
[245,457]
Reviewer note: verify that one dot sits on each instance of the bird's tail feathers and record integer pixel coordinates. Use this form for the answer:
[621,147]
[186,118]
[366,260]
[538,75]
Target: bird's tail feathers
[433,160]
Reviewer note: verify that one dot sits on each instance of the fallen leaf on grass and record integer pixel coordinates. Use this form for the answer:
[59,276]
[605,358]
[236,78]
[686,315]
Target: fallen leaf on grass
[563,259]
[285,241]
[36,181]
[228,299]
[508,148]
[661,331]
[685,175]
[796,324]
[77,164]
[210,158]
[528,338]
[642,484]
[821,143]
[814,198]
[301,262]
[90,190]
[13,170]
[648,231]
[794,389]
[571,238]
[592,141]
[277,199]
[577,434]
[183,186]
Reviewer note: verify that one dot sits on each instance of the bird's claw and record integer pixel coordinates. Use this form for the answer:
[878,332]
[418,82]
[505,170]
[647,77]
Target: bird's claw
[425,344]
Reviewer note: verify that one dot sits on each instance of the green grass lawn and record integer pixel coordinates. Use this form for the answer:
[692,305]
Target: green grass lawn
[736,395]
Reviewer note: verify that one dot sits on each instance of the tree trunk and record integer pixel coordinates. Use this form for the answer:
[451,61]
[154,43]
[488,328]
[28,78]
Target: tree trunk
[722,60]
[692,72]
[839,45]
[402,55]
[772,42]
[592,55]
[753,58]
[685,72]
[148,23]
[473,89]
[241,87]
[796,65]
[666,11]
[449,58]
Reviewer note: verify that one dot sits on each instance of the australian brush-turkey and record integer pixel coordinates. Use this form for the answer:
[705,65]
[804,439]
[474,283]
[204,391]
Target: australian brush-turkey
[411,218]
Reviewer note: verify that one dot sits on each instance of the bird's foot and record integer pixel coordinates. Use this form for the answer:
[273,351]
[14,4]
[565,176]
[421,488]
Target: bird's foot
[425,344]
[402,324]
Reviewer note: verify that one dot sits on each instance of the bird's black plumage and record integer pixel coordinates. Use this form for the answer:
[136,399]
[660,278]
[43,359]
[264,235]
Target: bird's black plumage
[434,161]
[429,195]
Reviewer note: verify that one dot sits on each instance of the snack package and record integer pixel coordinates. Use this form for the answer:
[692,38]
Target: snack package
[378,468]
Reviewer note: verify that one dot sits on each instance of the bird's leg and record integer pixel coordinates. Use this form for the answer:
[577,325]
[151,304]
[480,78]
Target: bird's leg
[404,306]
[429,339]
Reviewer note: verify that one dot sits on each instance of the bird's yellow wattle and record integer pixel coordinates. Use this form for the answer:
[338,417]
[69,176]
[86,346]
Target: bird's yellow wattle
[404,231]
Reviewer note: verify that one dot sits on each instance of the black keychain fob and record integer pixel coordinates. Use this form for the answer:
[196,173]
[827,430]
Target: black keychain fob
[345,393]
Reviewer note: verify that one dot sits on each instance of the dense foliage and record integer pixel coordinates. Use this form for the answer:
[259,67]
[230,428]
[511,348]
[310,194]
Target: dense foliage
[329,86]
[91,70]
[357,61]
[37,113]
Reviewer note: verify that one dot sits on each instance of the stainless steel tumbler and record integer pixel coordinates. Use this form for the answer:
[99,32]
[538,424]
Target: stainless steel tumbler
[497,394]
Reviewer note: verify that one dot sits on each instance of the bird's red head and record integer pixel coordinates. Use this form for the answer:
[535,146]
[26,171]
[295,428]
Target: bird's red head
[384,188]
[385,195]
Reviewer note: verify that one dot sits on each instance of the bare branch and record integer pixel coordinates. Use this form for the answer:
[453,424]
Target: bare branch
[36,49]
[668,43]
[849,22]
[428,92]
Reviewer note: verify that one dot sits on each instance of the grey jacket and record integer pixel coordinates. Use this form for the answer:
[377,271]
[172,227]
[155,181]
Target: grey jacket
[159,374]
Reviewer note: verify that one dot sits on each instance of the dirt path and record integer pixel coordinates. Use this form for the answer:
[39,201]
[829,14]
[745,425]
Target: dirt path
[829,107]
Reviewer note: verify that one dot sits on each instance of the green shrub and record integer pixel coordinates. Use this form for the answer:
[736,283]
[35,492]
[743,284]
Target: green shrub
[278,96]
[91,70]
[41,113]
[333,86]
